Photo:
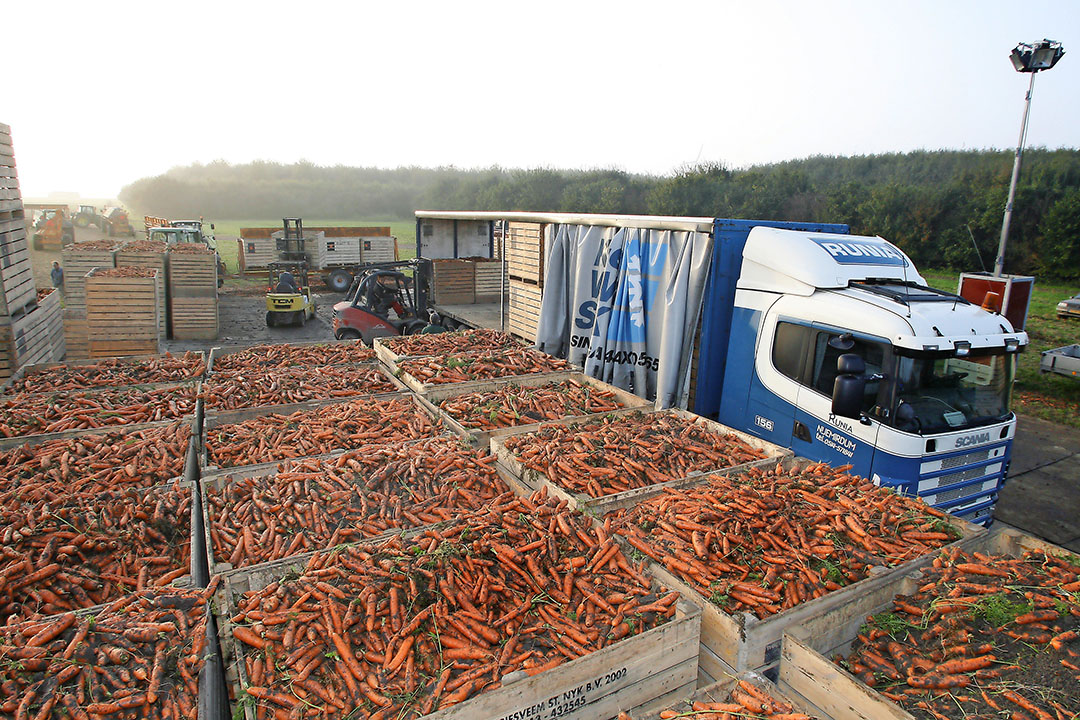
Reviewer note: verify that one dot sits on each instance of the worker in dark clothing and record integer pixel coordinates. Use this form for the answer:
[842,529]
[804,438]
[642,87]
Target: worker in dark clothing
[286,284]
[57,274]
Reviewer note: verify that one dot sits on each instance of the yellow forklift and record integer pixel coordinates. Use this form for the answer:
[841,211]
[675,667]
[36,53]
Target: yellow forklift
[288,295]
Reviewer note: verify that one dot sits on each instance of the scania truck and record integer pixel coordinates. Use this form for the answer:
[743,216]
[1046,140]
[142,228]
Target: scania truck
[833,345]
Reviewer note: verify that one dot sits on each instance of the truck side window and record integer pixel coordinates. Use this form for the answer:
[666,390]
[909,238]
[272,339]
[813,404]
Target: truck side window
[825,357]
[789,349]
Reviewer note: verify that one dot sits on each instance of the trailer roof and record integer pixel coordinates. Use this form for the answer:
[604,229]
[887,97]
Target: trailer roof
[659,222]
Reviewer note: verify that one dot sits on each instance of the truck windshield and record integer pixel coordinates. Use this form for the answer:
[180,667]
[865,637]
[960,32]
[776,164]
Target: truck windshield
[951,393]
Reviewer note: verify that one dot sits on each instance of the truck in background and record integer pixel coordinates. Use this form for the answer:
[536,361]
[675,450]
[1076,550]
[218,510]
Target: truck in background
[834,345]
[173,232]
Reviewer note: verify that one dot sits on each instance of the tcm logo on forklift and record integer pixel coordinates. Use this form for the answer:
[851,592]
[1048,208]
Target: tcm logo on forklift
[973,440]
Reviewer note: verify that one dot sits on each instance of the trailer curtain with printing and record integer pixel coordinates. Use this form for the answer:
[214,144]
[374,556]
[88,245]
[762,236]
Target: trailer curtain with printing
[624,304]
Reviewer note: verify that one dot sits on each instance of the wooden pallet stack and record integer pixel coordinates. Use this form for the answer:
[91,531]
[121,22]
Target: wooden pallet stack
[24,331]
[193,301]
[149,254]
[453,282]
[525,266]
[121,311]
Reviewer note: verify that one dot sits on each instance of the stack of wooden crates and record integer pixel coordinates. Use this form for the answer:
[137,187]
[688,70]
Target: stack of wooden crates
[193,301]
[154,255]
[525,265]
[122,311]
[26,336]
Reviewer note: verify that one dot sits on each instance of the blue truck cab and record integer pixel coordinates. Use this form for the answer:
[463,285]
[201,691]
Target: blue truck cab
[928,375]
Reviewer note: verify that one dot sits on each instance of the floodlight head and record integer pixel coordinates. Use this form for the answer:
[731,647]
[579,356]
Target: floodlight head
[1033,57]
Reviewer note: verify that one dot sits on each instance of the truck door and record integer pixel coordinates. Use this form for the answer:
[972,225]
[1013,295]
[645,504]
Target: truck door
[817,433]
[772,390]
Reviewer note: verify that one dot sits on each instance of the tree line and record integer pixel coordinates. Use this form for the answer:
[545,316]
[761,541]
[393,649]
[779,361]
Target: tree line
[939,206]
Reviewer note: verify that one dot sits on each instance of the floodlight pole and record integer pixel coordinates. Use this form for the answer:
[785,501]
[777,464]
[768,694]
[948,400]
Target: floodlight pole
[999,261]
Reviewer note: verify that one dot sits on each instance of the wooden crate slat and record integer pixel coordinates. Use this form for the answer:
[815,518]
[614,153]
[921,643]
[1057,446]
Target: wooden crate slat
[194,318]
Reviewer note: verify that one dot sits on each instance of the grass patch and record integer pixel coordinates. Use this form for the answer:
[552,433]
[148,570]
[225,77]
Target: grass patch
[1046,396]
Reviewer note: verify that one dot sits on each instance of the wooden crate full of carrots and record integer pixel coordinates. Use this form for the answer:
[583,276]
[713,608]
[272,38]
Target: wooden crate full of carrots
[748,697]
[596,460]
[277,356]
[993,631]
[515,405]
[772,548]
[424,373]
[113,372]
[25,415]
[267,435]
[264,387]
[144,655]
[519,610]
[267,514]
[392,350]
[67,551]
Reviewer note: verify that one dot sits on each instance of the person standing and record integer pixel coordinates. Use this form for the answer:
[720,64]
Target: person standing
[57,274]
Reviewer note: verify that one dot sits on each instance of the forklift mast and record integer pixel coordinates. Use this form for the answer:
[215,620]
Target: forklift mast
[291,246]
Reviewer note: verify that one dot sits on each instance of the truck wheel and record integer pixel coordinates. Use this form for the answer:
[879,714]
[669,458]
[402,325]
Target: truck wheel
[339,280]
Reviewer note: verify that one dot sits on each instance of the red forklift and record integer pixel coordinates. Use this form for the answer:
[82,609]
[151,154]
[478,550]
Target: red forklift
[383,301]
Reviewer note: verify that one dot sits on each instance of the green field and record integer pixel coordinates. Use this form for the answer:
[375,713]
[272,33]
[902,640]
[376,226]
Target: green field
[1050,397]
[228,230]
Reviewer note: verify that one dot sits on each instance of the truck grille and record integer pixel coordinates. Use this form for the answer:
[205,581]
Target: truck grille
[969,474]
[950,495]
[966,459]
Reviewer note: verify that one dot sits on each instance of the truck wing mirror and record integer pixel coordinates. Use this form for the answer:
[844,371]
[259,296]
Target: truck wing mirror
[849,386]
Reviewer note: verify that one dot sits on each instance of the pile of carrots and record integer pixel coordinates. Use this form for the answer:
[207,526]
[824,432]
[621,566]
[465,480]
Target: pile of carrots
[744,701]
[616,453]
[98,244]
[146,246]
[463,367]
[478,340]
[513,405]
[119,371]
[140,656]
[238,389]
[125,271]
[85,549]
[43,293]
[984,635]
[766,541]
[190,249]
[33,414]
[316,503]
[409,626]
[97,462]
[283,356]
[313,432]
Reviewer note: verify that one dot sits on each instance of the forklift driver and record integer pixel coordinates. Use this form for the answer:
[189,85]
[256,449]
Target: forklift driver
[287,284]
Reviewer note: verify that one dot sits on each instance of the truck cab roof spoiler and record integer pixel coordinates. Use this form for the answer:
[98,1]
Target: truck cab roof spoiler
[906,293]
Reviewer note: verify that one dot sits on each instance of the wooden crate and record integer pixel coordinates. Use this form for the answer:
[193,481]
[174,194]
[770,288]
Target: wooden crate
[418,386]
[488,282]
[77,260]
[378,249]
[525,252]
[158,260]
[259,248]
[433,396]
[718,692]
[807,673]
[638,674]
[76,341]
[121,314]
[452,282]
[24,340]
[524,309]
[50,305]
[192,274]
[194,318]
[18,293]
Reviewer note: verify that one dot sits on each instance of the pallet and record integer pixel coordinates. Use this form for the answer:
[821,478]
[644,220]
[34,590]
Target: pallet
[488,282]
[452,282]
[24,340]
[194,318]
[54,321]
[524,309]
[121,315]
[638,674]
[77,262]
[159,262]
[525,252]
[806,672]
[433,397]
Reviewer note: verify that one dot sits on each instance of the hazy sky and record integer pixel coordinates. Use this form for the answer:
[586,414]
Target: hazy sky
[115,91]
